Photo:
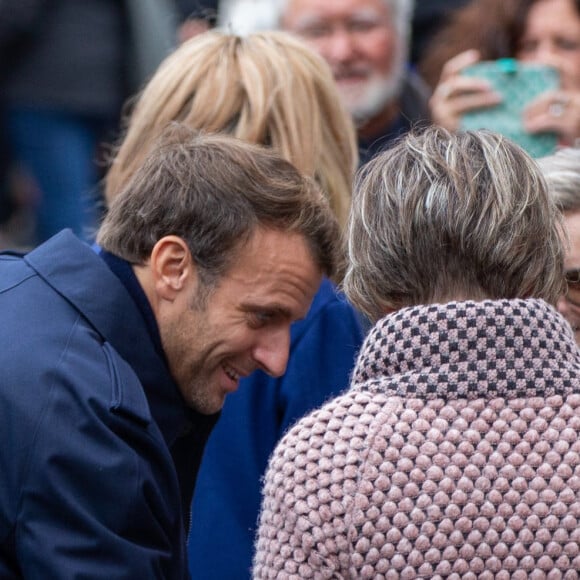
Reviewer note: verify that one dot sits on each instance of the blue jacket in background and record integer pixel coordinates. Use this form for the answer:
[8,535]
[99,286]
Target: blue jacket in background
[99,451]
[227,496]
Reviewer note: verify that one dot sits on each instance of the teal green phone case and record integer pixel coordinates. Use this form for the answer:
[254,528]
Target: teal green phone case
[519,84]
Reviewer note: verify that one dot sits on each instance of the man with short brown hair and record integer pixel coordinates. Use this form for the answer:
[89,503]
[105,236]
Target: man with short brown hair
[116,363]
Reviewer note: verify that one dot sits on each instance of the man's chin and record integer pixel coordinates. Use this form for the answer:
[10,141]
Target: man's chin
[363,109]
[367,98]
[207,402]
[208,407]
[353,95]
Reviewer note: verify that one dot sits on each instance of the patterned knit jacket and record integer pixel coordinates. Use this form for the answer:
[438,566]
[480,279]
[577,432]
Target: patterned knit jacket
[455,454]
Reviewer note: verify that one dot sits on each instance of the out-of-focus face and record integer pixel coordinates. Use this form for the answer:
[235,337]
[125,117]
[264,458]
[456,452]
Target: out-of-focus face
[570,306]
[359,41]
[552,36]
[244,323]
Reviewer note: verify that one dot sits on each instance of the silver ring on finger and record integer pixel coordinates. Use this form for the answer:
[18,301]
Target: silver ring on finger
[445,90]
[558,108]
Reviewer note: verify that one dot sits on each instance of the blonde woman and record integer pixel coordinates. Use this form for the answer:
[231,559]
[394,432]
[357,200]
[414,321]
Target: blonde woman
[269,89]
[265,88]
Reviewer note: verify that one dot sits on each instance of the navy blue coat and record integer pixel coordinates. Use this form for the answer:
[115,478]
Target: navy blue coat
[99,452]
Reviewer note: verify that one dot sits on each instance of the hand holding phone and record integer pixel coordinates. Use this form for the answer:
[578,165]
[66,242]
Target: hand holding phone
[518,84]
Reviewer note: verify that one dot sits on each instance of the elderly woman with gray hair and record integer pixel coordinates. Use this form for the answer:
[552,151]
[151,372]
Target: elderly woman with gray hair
[455,452]
[562,173]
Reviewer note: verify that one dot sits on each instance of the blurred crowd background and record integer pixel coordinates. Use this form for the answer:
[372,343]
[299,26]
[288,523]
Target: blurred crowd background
[68,72]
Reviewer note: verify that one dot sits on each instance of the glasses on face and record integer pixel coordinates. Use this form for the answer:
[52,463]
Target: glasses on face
[573,286]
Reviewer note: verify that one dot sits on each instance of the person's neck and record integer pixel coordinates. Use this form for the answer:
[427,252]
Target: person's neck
[376,125]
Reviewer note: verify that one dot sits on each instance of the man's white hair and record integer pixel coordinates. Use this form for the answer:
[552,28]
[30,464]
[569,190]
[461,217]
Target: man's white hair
[247,16]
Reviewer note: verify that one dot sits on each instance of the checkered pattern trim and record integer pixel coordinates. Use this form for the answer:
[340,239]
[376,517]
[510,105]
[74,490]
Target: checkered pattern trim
[508,348]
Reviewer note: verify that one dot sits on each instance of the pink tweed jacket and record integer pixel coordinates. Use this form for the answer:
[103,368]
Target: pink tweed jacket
[454,454]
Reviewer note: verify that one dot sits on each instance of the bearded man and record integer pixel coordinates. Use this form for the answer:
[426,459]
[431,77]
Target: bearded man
[366,44]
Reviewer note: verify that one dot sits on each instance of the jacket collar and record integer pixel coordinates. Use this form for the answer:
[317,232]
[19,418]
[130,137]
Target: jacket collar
[466,350]
[76,272]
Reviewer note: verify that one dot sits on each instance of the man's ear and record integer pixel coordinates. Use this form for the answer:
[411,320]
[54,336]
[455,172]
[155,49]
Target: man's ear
[172,267]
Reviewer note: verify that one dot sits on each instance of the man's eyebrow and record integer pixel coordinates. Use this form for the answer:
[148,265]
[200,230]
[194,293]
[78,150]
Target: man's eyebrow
[278,309]
[307,20]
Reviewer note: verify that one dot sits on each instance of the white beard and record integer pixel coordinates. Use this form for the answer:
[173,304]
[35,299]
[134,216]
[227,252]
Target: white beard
[366,99]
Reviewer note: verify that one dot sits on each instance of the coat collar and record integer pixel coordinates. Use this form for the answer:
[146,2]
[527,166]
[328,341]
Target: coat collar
[76,272]
[466,350]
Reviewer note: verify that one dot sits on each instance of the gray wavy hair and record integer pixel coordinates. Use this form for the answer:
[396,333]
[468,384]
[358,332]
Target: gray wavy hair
[247,16]
[562,173]
[444,216]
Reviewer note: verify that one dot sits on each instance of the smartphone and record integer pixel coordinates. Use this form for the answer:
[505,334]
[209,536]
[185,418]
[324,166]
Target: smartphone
[519,84]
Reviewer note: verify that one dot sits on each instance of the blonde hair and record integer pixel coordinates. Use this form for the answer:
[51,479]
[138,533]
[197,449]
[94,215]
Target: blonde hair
[266,88]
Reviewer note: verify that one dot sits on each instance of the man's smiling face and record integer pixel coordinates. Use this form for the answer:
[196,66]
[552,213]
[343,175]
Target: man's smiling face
[243,324]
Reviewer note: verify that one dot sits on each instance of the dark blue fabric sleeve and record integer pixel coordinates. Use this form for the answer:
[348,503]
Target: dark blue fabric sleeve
[99,495]
[322,359]
[18,18]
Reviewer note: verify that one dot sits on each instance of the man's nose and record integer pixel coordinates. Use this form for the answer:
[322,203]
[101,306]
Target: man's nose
[545,53]
[339,47]
[272,351]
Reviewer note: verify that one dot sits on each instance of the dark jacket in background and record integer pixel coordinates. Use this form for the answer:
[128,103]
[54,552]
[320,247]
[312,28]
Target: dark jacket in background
[414,111]
[86,56]
[428,17]
[66,69]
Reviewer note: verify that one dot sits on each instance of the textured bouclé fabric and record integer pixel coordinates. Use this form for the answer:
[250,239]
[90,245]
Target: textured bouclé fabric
[455,454]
